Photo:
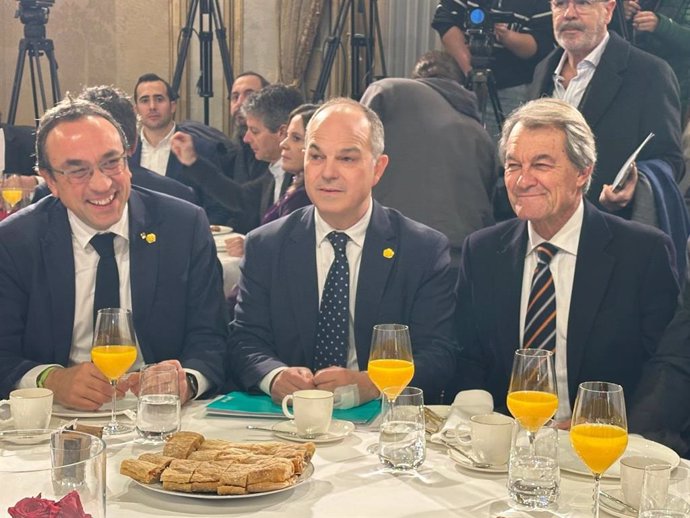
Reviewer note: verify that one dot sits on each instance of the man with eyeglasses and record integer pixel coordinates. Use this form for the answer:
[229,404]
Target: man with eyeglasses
[165,263]
[624,94]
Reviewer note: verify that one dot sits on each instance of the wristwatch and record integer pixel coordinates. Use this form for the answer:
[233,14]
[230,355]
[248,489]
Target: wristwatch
[192,384]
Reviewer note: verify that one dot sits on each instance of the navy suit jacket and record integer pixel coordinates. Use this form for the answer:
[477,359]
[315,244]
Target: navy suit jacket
[278,306]
[216,213]
[631,93]
[624,294]
[177,293]
[20,149]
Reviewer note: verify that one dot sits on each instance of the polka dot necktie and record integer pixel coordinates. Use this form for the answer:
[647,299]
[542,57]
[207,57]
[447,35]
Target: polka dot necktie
[107,294]
[540,319]
[334,316]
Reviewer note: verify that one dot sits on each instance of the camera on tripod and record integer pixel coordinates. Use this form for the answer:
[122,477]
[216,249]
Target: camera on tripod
[479,27]
[34,15]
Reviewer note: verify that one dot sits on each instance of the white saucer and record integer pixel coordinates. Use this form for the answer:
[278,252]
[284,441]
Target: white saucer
[24,439]
[221,230]
[613,508]
[465,463]
[337,430]
[129,402]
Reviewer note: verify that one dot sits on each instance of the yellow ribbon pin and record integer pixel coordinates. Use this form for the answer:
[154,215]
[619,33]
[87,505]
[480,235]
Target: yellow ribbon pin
[149,238]
[388,253]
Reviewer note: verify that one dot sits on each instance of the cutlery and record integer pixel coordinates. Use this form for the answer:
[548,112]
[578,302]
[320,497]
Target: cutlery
[626,507]
[287,432]
[475,463]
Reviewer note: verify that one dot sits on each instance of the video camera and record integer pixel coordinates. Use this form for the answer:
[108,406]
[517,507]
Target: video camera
[34,15]
[479,26]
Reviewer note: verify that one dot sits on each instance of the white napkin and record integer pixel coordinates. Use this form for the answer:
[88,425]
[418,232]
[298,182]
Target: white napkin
[466,404]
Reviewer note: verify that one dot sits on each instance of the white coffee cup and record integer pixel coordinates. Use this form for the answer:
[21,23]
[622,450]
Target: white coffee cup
[31,408]
[490,437]
[312,410]
[632,474]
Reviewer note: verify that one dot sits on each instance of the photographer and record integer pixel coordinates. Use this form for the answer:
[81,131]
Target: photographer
[516,46]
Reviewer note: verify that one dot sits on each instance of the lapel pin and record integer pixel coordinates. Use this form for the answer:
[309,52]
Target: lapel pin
[388,253]
[149,238]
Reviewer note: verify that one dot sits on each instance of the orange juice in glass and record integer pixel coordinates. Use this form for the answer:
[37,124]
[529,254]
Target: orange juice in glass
[390,358]
[113,360]
[390,373]
[532,408]
[12,196]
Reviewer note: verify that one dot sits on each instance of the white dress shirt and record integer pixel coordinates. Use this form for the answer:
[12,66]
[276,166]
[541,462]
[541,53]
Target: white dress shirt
[562,267]
[278,174]
[153,157]
[324,258]
[585,70]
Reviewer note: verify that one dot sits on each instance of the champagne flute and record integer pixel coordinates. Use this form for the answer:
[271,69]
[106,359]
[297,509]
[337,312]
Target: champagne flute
[113,353]
[12,191]
[532,394]
[390,360]
[599,430]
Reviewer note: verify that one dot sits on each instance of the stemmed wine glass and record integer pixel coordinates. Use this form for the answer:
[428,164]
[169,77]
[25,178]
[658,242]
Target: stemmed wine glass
[391,366]
[532,394]
[113,353]
[12,192]
[599,430]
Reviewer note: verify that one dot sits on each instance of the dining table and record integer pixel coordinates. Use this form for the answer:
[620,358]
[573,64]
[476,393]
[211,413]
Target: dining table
[347,481]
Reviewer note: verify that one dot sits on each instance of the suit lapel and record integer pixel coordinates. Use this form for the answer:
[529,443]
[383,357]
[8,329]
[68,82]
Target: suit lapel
[58,258]
[510,263]
[606,81]
[375,267]
[592,271]
[300,267]
[143,264]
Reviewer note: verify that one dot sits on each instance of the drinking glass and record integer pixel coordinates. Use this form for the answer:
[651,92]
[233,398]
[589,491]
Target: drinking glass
[665,492]
[12,192]
[390,358]
[158,406]
[599,429]
[402,444]
[532,393]
[113,353]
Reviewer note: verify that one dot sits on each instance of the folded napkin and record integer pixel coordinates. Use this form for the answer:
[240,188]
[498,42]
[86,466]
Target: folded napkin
[466,404]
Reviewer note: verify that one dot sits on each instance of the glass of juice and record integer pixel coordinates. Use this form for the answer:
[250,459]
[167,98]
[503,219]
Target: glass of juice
[390,358]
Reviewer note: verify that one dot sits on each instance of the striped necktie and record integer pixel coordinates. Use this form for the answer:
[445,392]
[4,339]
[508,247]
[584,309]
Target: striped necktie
[540,320]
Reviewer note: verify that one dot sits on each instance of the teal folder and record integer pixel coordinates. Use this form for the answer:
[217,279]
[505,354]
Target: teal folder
[241,404]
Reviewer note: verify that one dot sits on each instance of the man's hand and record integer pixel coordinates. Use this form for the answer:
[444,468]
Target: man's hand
[289,380]
[234,246]
[182,145]
[332,377]
[646,21]
[83,387]
[132,381]
[630,8]
[614,201]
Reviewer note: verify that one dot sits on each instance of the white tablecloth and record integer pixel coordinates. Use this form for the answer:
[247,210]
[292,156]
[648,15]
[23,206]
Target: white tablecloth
[231,265]
[347,482]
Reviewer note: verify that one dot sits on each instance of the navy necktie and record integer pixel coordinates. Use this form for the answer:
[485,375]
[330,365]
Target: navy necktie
[107,294]
[540,319]
[334,315]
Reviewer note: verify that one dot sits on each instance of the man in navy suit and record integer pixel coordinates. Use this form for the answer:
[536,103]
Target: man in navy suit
[613,281]
[165,256]
[398,273]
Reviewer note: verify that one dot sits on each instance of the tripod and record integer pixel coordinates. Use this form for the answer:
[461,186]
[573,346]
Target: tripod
[34,44]
[208,17]
[481,79]
[358,42]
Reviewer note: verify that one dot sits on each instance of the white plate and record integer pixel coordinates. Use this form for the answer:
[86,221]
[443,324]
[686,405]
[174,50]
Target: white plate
[336,431]
[465,463]
[221,230]
[127,403]
[25,439]
[158,488]
[569,461]
[613,508]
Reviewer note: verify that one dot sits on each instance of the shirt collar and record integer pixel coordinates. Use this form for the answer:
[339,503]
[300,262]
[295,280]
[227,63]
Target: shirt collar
[566,239]
[276,169]
[83,232]
[591,60]
[356,232]
[165,141]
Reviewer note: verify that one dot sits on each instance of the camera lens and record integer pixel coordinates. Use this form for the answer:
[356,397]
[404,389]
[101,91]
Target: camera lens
[477,16]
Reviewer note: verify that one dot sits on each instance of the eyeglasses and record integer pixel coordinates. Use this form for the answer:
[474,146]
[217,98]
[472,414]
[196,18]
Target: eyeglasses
[581,6]
[82,174]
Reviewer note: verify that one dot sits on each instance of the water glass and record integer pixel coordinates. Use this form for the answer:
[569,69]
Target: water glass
[158,406]
[665,492]
[402,444]
[534,478]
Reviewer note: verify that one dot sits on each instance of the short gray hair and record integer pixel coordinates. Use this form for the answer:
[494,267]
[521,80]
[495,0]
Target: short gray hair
[68,110]
[546,112]
[272,104]
[376,133]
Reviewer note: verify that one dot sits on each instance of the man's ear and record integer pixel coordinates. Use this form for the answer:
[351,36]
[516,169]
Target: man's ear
[282,131]
[50,181]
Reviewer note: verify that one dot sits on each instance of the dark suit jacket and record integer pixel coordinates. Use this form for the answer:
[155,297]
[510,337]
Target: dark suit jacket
[20,149]
[216,213]
[143,177]
[177,293]
[623,296]
[631,94]
[278,306]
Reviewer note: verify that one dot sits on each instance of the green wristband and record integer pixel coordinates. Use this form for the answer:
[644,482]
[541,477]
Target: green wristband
[41,379]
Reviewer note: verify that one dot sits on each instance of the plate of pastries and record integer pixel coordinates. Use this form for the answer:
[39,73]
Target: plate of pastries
[192,466]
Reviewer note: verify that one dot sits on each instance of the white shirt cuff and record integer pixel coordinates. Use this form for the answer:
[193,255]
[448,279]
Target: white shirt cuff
[29,379]
[265,385]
